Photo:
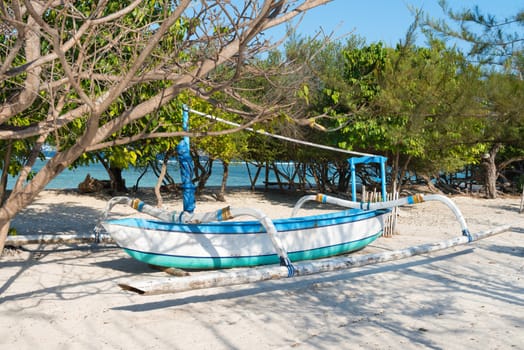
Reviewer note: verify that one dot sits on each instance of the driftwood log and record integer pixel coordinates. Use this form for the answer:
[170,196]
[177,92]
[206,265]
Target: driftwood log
[92,185]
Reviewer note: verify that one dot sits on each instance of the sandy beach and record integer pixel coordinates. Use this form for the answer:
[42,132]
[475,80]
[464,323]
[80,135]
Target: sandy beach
[468,297]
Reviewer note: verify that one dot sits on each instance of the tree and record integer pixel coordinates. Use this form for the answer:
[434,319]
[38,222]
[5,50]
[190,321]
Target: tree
[327,100]
[417,105]
[492,40]
[498,46]
[503,125]
[429,100]
[227,147]
[73,62]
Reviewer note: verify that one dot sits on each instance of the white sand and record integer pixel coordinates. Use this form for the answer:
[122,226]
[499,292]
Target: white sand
[66,297]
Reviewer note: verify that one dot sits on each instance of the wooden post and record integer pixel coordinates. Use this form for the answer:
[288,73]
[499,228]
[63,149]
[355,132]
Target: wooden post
[391,220]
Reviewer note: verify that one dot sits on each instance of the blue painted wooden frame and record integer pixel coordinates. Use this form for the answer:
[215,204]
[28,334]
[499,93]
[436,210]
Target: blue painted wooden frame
[366,160]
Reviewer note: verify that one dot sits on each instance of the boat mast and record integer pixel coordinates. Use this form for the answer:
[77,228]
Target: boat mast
[186,165]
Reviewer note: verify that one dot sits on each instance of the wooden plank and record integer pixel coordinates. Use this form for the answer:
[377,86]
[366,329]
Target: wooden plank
[223,278]
[20,240]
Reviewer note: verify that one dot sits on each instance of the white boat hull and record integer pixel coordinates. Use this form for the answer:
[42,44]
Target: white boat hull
[245,243]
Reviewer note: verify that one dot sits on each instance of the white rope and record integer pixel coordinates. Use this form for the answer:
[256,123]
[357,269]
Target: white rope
[282,137]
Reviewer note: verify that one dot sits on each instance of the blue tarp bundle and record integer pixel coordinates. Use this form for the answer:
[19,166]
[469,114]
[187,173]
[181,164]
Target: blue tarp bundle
[186,165]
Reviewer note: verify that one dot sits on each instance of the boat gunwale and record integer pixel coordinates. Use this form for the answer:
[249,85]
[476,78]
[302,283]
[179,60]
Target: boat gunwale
[251,226]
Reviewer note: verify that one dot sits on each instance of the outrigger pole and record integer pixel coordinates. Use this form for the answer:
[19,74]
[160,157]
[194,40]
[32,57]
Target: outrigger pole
[414,199]
[223,278]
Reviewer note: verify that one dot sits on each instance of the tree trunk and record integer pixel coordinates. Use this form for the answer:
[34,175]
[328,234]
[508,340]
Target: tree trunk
[395,171]
[222,194]
[344,177]
[430,185]
[202,172]
[5,174]
[22,196]
[402,174]
[118,183]
[163,170]
[491,174]
[4,230]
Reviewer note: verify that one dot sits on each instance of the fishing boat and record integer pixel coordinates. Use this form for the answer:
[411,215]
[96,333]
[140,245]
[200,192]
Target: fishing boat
[191,240]
[208,241]
[199,243]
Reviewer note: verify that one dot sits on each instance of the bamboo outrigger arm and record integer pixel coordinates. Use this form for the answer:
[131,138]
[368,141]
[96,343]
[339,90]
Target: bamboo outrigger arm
[417,198]
[185,217]
[231,277]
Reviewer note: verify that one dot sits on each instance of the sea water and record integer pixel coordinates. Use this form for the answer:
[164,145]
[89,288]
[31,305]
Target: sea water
[70,178]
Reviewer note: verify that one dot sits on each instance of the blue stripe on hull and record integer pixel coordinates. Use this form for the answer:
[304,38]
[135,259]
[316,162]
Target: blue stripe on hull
[187,262]
[245,227]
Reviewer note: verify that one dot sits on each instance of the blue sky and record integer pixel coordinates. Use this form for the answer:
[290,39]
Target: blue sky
[388,20]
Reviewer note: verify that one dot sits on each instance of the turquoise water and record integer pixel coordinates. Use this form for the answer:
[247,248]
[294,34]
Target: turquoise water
[238,176]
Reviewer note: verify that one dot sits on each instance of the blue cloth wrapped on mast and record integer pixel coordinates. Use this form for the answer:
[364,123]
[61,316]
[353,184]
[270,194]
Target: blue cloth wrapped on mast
[186,165]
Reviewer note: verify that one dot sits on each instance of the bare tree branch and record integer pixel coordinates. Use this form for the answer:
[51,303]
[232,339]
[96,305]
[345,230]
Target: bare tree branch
[77,74]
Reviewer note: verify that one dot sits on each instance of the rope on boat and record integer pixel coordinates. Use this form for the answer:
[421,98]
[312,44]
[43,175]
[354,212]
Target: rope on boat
[280,137]
[417,198]
[185,217]
[231,277]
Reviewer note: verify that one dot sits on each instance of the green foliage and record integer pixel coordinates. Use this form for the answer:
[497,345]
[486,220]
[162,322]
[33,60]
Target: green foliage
[421,103]
[491,40]
[504,99]
[429,105]
[362,70]
[225,147]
